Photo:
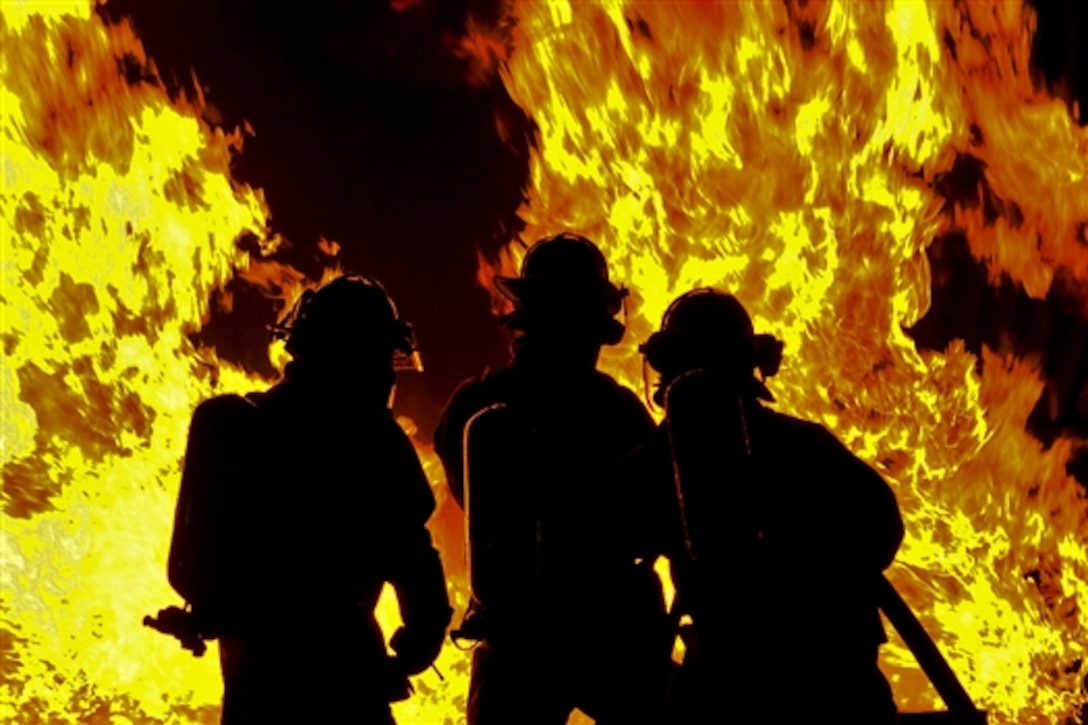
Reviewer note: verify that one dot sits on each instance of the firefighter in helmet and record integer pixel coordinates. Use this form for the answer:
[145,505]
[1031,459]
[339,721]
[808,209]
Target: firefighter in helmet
[776,534]
[297,505]
[562,620]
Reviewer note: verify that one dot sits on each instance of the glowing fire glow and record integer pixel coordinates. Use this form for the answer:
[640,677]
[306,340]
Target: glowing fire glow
[787,155]
[790,156]
[119,219]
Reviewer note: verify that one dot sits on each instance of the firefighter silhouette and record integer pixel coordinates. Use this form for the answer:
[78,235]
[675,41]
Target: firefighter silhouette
[562,620]
[296,506]
[776,534]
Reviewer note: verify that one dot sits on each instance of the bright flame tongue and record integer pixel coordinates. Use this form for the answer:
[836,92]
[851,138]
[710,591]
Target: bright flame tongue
[790,159]
[700,144]
[118,220]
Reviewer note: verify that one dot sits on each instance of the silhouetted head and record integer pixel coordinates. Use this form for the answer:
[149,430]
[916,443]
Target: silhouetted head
[350,325]
[710,330]
[563,293]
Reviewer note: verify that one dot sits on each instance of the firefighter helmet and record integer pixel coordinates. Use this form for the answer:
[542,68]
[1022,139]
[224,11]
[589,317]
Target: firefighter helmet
[706,328]
[564,279]
[350,314]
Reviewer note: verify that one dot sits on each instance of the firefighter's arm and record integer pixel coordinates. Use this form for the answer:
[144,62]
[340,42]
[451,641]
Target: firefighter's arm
[415,571]
[424,605]
[874,523]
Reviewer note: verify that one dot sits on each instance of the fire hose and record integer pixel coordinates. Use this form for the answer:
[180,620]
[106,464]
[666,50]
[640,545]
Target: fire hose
[925,651]
[929,657]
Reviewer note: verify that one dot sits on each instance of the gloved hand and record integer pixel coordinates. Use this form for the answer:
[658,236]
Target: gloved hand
[416,649]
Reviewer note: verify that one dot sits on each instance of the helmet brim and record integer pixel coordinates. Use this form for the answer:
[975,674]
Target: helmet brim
[510,287]
[517,289]
[761,391]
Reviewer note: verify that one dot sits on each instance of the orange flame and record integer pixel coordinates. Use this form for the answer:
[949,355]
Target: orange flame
[790,157]
[118,217]
[787,155]
[119,220]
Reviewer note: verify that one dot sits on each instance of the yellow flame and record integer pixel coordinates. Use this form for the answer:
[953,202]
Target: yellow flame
[789,156]
[701,143]
[119,220]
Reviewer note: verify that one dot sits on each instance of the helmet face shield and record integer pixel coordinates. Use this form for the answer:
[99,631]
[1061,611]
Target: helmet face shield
[407,362]
[406,357]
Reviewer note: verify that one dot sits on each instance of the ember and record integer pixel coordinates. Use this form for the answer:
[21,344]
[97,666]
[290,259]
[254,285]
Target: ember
[792,156]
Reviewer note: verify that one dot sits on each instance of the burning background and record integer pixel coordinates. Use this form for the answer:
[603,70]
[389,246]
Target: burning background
[899,190]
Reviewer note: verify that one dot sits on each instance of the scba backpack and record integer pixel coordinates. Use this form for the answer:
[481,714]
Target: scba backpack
[211,540]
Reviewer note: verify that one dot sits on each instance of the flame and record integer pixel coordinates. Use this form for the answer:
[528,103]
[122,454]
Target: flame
[120,219]
[788,155]
[791,156]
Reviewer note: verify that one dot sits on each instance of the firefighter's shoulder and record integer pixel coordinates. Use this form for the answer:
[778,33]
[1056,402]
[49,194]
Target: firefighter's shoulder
[787,429]
[813,446]
[383,428]
[480,392]
[624,399]
[224,411]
